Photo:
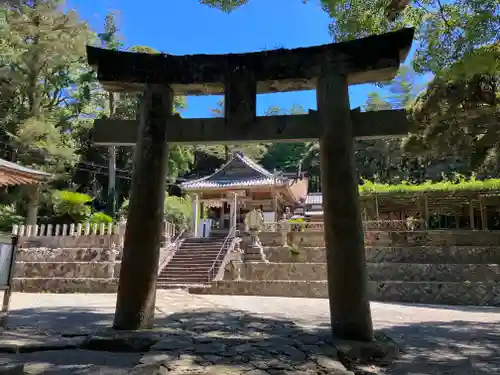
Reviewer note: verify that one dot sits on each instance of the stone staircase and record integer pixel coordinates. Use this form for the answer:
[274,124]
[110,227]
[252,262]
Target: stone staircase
[192,262]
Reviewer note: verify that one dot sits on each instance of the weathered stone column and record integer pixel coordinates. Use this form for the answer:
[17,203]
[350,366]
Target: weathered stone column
[347,278]
[135,305]
[196,213]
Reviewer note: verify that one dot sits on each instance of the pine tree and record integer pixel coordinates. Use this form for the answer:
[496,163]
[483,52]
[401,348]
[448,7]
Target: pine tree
[43,59]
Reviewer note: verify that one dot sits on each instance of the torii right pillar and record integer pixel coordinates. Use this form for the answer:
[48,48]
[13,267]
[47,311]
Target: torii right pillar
[345,250]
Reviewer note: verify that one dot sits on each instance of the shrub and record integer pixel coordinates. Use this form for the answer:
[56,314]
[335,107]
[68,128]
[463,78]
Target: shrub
[72,204]
[298,224]
[9,217]
[178,211]
[100,218]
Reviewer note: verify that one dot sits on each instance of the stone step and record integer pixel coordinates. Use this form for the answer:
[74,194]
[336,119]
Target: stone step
[185,271]
[201,246]
[189,252]
[200,259]
[184,279]
[399,254]
[428,292]
[64,285]
[187,285]
[179,267]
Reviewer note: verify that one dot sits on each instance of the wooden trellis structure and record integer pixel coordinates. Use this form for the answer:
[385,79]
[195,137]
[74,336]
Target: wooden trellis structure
[457,203]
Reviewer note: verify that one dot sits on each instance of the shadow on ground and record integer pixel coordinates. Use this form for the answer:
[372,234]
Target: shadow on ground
[231,337]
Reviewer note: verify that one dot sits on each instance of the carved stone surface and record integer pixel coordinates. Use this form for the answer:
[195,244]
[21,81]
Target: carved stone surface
[450,293]
[62,285]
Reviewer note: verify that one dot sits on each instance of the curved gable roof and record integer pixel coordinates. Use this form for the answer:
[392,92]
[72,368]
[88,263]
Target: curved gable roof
[238,171]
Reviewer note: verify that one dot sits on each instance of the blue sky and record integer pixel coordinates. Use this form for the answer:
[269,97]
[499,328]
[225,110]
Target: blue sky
[185,27]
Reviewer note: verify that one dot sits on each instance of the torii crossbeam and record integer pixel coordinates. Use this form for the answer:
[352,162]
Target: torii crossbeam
[329,69]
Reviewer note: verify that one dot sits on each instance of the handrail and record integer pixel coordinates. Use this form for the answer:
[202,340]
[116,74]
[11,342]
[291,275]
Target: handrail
[170,249]
[211,271]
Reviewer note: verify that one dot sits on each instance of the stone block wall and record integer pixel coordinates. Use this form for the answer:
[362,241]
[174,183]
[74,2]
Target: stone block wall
[67,270]
[70,242]
[391,238]
[441,267]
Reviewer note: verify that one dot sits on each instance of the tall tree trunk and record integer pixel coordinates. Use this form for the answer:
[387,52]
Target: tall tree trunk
[35,102]
[33,193]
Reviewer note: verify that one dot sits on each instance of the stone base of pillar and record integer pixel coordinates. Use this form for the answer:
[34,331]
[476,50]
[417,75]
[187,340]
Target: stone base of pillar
[254,252]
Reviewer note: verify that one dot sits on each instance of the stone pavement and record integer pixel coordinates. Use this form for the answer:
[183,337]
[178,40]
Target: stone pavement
[251,335]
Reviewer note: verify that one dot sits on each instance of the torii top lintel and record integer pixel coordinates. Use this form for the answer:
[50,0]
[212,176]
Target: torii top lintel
[371,59]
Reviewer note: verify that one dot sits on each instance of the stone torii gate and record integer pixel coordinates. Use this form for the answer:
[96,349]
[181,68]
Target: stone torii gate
[329,69]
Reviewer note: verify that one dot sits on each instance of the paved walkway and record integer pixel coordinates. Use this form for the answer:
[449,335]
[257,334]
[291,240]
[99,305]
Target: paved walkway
[437,339]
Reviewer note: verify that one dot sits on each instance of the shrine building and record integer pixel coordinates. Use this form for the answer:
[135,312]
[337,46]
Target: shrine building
[239,186]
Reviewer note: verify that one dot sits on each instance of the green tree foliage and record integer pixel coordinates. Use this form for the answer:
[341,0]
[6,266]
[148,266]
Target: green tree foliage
[73,205]
[42,86]
[446,32]
[285,156]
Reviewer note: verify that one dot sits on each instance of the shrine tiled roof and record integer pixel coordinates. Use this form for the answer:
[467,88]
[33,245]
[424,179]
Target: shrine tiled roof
[239,171]
[15,174]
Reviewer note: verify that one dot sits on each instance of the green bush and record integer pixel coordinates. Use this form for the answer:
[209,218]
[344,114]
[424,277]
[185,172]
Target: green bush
[9,217]
[178,211]
[100,218]
[72,204]
[298,228]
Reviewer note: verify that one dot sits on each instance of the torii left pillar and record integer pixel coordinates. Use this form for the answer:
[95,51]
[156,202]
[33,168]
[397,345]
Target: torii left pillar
[135,304]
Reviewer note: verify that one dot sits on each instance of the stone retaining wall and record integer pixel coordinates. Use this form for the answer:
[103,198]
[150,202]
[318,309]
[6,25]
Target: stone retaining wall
[447,293]
[376,272]
[397,254]
[393,238]
[458,267]
[65,285]
[70,242]
[67,270]
[66,255]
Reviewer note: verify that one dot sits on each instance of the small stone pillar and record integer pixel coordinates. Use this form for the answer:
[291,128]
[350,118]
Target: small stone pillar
[284,227]
[195,212]
[237,262]
[254,252]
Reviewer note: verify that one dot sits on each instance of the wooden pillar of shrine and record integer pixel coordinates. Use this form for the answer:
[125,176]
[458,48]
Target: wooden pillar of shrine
[135,304]
[345,251]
